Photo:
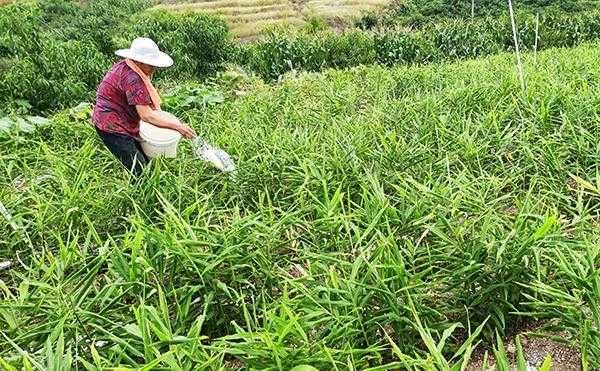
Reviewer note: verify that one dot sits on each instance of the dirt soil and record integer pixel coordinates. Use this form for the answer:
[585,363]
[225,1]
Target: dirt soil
[564,357]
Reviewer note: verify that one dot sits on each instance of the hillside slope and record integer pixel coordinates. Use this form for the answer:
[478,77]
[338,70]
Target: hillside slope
[247,18]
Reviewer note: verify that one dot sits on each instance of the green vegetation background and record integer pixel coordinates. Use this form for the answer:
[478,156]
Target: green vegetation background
[53,53]
[383,216]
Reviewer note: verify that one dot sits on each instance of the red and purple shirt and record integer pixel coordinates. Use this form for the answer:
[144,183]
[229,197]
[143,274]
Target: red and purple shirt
[118,94]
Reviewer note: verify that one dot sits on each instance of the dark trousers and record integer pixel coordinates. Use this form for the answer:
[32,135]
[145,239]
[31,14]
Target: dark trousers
[126,149]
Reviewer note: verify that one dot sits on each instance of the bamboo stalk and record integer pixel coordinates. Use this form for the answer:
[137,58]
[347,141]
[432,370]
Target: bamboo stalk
[518,54]
[472,9]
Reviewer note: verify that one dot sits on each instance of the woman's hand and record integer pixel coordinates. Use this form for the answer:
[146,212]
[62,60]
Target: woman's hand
[186,131]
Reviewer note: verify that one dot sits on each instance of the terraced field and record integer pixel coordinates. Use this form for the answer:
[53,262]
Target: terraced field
[248,17]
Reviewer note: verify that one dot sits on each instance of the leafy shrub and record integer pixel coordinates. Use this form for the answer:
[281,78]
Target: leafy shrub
[94,21]
[63,72]
[19,28]
[419,13]
[352,48]
[21,24]
[400,47]
[54,49]
[10,126]
[280,52]
[368,21]
[19,81]
[312,50]
[60,49]
[198,43]
[457,39]
[560,31]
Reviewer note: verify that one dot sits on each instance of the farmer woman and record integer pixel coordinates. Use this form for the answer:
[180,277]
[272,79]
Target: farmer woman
[125,96]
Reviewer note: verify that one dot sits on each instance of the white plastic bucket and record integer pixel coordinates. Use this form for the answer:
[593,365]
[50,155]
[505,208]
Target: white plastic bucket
[157,141]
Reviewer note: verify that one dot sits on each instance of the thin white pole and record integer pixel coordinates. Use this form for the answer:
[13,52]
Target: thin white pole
[537,32]
[514,28]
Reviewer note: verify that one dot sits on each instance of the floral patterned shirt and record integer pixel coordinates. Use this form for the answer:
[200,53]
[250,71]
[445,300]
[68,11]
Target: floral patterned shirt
[118,94]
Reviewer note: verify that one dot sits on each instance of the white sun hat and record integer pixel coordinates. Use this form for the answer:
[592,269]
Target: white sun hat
[146,51]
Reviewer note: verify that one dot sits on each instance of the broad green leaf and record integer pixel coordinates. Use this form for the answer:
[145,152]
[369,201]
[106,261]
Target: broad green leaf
[189,101]
[543,230]
[38,120]
[6,366]
[82,107]
[521,364]
[133,329]
[23,125]
[96,356]
[213,98]
[304,368]
[6,124]
[547,365]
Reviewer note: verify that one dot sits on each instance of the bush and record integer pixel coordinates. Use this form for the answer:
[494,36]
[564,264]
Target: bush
[95,21]
[281,52]
[198,43]
[60,49]
[54,49]
[458,39]
[60,74]
[419,13]
[368,21]
[400,47]
[352,48]
[560,31]
[19,29]
[313,50]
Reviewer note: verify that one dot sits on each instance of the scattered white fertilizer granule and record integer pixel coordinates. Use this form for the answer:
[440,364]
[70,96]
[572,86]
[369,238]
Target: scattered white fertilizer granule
[100,343]
[215,156]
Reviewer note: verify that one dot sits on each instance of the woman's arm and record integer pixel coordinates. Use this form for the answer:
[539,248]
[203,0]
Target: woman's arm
[165,120]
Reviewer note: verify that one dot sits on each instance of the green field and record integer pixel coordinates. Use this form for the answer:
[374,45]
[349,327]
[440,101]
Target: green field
[381,218]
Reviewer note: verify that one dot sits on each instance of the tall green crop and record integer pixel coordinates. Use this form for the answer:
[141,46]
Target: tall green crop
[382,218]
